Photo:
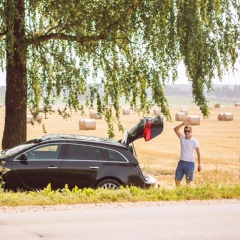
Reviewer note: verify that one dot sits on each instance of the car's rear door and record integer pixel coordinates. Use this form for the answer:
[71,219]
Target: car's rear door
[81,165]
[147,128]
[40,168]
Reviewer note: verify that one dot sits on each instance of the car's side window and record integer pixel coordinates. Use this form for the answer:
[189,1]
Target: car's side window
[99,155]
[44,152]
[83,152]
[79,152]
[115,156]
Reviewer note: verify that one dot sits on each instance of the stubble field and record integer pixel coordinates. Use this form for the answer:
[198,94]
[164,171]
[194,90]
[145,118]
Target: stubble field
[219,143]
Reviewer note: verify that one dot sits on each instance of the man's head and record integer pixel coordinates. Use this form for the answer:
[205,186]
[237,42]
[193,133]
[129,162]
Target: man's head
[188,131]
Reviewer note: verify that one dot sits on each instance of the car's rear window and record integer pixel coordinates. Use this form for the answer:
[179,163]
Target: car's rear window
[115,156]
[94,153]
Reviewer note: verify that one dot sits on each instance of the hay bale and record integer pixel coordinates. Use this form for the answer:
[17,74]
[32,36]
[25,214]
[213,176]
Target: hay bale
[126,111]
[216,105]
[89,124]
[185,110]
[80,123]
[180,116]
[94,115]
[194,120]
[237,104]
[29,118]
[39,117]
[220,117]
[98,116]
[156,111]
[227,117]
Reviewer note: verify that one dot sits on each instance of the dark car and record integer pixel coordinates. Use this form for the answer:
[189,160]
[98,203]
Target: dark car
[75,160]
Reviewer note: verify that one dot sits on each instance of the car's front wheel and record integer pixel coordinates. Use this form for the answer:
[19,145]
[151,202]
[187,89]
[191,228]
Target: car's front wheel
[109,184]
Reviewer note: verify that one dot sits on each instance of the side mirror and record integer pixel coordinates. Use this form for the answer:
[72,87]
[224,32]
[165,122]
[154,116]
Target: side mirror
[23,157]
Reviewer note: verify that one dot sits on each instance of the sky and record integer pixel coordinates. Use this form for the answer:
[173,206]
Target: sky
[227,79]
[182,79]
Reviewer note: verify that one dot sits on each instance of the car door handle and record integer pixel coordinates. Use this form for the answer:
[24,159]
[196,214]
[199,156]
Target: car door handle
[52,167]
[94,167]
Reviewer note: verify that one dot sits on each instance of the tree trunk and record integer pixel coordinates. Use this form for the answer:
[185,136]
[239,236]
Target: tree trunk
[15,129]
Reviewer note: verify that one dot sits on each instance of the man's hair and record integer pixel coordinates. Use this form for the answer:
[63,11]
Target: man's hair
[188,127]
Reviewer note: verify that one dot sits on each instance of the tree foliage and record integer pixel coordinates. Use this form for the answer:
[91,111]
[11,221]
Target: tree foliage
[109,49]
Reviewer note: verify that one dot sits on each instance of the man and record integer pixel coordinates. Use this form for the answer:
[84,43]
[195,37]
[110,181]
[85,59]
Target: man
[186,164]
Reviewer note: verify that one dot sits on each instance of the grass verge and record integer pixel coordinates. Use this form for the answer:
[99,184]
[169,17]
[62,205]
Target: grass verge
[129,194]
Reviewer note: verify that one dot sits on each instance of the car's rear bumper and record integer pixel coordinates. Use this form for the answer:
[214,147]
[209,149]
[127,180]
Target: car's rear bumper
[149,181]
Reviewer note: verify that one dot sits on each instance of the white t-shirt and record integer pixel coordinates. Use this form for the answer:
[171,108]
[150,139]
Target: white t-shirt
[187,148]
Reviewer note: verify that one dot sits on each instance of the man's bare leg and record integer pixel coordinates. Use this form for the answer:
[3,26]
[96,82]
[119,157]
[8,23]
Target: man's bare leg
[189,183]
[178,183]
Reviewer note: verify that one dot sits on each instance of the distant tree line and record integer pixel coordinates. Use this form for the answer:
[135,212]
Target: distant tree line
[178,90]
[223,92]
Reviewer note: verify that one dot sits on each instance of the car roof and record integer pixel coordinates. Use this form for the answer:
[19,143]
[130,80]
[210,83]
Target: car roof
[75,137]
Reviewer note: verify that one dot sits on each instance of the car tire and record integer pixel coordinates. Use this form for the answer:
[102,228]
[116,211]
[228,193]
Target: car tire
[109,184]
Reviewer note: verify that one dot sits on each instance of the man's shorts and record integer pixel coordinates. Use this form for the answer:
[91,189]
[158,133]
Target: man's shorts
[185,168]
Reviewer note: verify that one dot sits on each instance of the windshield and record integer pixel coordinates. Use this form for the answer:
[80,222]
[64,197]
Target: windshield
[12,151]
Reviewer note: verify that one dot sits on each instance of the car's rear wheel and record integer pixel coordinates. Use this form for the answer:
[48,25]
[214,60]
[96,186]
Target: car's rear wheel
[109,184]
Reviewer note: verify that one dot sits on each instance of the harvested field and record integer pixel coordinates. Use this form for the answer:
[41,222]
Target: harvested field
[219,143]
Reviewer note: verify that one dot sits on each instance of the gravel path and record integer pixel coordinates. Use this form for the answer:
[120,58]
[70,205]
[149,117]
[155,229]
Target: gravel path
[115,205]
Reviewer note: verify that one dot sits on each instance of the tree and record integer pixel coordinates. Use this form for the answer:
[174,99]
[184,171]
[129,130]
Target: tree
[52,48]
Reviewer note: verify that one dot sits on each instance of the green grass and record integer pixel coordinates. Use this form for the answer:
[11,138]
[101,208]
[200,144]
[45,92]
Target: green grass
[129,194]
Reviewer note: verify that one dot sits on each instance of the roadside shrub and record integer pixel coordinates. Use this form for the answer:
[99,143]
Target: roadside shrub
[2,171]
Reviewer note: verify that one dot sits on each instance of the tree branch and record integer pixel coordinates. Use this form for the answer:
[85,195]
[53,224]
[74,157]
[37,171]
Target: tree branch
[61,36]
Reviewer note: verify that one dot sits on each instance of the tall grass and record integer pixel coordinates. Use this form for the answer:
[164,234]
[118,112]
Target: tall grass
[129,194]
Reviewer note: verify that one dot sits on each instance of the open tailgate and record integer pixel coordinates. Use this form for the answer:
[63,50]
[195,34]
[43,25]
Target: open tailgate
[147,128]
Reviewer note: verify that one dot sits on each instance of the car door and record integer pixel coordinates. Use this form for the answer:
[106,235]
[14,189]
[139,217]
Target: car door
[147,128]
[39,166]
[81,165]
